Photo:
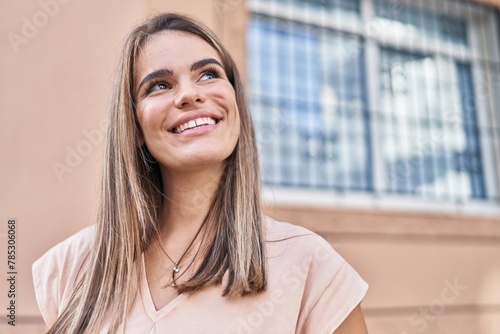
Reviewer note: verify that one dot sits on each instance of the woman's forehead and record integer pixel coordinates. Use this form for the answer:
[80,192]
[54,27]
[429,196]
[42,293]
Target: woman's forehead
[175,47]
[172,51]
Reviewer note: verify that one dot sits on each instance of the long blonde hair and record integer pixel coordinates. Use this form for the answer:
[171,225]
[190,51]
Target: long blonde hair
[131,197]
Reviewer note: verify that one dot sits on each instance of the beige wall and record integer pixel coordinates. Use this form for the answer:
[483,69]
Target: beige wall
[55,89]
[408,258]
[55,86]
[490,2]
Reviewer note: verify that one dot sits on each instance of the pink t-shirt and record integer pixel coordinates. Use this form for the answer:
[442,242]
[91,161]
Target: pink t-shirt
[311,289]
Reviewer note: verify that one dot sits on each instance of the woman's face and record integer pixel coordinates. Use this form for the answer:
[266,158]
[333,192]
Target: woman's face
[185,104]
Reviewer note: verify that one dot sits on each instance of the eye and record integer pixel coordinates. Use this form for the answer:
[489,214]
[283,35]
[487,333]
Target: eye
[209,74]
[156,86]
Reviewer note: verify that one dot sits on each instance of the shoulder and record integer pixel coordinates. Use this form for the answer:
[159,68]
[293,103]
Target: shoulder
[67,253]
[293,246]
[56,273]
[328,287]
[297,239]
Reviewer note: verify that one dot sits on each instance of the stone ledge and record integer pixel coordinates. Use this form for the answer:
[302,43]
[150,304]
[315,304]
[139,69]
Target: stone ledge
[366,223]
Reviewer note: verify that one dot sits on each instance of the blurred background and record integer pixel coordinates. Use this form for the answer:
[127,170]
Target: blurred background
[378,125]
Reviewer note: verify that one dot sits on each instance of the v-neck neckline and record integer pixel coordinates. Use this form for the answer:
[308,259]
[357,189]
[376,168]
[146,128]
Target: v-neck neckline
[147,300]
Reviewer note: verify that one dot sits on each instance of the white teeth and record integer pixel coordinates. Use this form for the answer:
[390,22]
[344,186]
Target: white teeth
[194,123]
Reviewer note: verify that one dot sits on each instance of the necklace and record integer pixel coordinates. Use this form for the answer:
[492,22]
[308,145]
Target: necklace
[175,268]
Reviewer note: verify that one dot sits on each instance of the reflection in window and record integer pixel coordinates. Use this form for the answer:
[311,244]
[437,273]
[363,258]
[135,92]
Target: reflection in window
[407,22]
[347,8]
[430,136]
[309,96]
[309,105]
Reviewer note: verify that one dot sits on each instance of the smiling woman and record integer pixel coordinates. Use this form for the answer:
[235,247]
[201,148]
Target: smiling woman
[180,233]
[186,105]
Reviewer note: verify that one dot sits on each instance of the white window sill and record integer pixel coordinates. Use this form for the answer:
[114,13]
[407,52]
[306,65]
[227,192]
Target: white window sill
[333,199]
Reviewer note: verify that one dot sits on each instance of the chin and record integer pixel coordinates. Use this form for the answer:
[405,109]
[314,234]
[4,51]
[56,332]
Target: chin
[196,162]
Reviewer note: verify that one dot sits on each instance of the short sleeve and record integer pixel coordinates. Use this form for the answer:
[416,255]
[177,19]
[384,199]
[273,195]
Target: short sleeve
[56,273]
[332,290]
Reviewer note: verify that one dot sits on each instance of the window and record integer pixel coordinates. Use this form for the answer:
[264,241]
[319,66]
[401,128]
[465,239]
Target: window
[310,104]
[377,97]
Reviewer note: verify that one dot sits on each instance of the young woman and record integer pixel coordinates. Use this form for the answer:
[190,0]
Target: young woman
[181,244]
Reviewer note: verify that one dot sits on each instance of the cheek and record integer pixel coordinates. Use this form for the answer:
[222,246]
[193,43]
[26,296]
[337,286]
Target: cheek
[237,124]
[150,118]
[232,107]
[235,121]
[235,133]
[142,121]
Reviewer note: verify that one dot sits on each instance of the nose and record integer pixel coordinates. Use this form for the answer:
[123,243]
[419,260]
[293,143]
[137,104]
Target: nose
[188,95]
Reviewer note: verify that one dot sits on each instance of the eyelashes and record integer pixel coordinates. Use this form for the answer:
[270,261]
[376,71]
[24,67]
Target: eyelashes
[211,71]
[157,84]
[154,85]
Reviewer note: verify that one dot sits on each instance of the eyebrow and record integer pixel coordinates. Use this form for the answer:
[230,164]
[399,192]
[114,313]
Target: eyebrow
[167,73]
[200,63]
[155,74]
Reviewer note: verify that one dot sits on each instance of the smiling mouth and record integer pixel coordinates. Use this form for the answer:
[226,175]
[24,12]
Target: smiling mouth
[195,123]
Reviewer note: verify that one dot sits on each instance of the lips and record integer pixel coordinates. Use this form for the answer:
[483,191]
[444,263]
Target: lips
[194,119]
[194,123]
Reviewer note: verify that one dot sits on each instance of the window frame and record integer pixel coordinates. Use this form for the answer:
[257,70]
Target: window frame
[365,28]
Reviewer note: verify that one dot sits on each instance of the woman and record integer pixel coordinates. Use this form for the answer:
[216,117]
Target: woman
[181,244]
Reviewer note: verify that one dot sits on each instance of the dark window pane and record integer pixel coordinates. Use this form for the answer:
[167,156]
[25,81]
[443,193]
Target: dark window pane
[430,137]
[412,22]
[309,105]
[349,7]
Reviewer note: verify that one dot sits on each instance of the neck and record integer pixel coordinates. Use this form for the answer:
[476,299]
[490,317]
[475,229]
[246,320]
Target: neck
[188,196]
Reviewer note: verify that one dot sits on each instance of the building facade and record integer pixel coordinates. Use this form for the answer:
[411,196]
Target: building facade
[378,125]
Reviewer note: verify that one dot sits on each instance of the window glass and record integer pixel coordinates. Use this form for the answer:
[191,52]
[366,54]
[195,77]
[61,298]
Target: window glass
[348,9]
[430,135]
[309,105]
[407,22]
[435,113]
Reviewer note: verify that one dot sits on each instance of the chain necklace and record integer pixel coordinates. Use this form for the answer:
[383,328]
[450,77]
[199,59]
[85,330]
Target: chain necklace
[175,268]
